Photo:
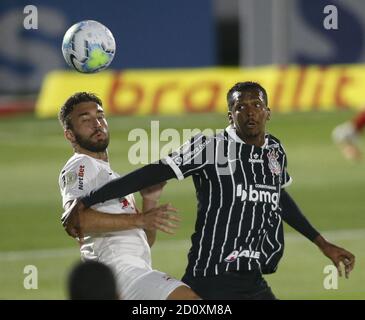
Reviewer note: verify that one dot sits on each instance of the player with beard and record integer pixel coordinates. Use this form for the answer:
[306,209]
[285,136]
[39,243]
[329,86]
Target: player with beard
[115,233]
[240,177]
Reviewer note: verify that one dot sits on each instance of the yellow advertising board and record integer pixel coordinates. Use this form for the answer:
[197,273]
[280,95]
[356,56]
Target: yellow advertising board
[175,91]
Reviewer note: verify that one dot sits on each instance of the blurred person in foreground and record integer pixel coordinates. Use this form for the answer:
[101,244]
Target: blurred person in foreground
[92,280]
[115,232]
[346,135]
[240,176]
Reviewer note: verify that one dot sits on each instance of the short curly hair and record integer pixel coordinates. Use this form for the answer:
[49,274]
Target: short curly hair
[244,86]
[67,108]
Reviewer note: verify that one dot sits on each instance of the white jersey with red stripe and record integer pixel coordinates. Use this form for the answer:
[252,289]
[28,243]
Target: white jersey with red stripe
[79,176]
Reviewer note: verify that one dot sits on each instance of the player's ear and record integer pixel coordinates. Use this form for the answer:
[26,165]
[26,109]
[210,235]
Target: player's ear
[230,119]
[268,114]
[69,135]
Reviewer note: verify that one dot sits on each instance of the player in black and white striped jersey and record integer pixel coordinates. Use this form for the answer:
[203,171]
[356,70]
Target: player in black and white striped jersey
[239,227]
[239,177]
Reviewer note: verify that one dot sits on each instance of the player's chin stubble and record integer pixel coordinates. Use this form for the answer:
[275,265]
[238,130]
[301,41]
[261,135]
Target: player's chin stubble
[92,146]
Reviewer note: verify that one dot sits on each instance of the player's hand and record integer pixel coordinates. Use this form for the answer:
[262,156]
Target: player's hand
[71,220]
[153,193]
[339,256]
[351,151]
[159,218]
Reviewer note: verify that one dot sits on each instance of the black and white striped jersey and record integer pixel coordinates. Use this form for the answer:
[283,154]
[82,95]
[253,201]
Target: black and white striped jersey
[239,225]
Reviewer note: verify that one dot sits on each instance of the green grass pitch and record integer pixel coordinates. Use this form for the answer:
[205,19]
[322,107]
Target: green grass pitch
[329,189]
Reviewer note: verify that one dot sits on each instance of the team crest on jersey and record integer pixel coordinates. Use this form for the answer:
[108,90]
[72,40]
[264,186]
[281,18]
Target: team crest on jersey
[274,164]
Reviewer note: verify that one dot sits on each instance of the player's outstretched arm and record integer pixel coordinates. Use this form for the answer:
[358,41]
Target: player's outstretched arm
[79,221]
[139,179]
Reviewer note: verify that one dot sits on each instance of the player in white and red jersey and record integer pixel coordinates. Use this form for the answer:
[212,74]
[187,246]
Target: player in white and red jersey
[347,135]
[114,232]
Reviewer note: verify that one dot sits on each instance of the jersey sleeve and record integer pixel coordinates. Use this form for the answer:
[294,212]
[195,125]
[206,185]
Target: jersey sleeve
[193,156]
[77,179]
[286,179]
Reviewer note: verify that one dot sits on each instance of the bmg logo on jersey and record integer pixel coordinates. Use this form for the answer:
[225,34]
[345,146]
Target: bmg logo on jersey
[268,195]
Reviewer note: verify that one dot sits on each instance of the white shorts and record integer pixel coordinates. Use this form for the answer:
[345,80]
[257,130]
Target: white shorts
[137,281]
[148,285]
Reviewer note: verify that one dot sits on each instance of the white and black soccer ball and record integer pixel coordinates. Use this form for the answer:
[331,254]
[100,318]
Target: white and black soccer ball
[88,46]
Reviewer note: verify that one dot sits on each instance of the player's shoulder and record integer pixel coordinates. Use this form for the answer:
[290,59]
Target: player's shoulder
[198,137]
[273,142]
[79,159]
[78,164]
[79,167]
[211,136]
[198,140]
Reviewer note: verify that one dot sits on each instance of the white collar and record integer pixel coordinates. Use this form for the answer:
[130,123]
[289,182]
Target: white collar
[233,134]
[105,163]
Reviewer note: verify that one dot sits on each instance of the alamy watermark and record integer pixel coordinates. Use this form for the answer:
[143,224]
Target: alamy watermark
[330,22]
[31,278]
[31,17]
[330,281]
[180,148]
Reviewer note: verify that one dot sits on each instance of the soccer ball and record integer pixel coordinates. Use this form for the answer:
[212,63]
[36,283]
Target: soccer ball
[88,46]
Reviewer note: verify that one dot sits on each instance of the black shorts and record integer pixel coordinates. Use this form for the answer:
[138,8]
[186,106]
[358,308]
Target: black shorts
[231,285]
